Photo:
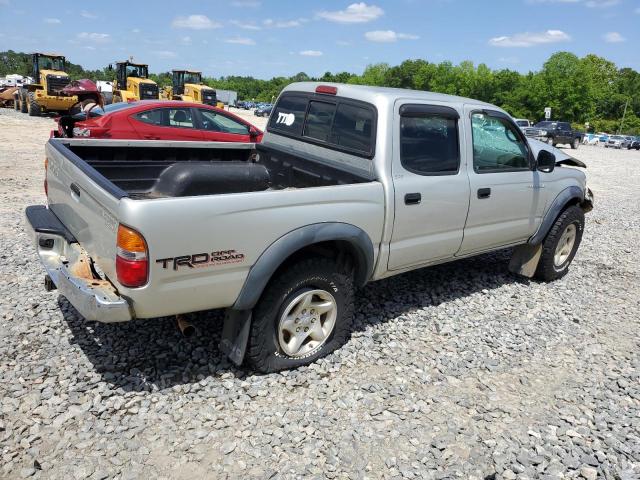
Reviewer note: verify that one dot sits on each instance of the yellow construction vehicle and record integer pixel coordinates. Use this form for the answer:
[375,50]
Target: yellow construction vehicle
[132,83]
[44,94]
[188,86]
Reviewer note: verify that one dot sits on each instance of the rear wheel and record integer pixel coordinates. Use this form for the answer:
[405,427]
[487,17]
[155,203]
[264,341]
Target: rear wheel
[575,144]
[304,314]
[16,102]
[33,108]
[561,244]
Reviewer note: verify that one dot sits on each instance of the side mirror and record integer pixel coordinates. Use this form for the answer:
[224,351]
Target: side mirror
[546,161]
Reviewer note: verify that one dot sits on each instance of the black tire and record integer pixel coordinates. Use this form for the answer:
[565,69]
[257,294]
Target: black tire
[16,103]
[547,269]
[575,144]
[107,98]
[264,352]
[23,103]
[33,108]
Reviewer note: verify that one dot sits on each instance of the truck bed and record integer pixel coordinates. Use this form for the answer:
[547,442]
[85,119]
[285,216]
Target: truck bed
[144,170]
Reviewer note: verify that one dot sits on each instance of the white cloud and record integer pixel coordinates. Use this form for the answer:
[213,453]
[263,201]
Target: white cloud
[311,53]
[164,53]
[246,3]
[270,23]
[89,15]
[52,21]
[185,40]
[136,30]
[354,13]
[195,22]
[240,41]
[530,39]
[94,37]
[602,3]
[245,25]
[343,43]
[613,37]
[388,36]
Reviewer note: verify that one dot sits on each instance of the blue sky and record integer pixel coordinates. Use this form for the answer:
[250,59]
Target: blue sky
[266,38]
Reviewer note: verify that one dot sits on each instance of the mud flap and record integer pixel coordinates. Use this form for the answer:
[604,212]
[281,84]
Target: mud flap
[524,260]
[235,334]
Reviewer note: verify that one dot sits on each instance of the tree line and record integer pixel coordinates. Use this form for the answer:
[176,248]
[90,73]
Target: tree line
[583,90]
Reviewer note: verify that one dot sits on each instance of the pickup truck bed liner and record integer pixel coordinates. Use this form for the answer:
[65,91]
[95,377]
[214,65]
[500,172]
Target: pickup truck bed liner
[146,172]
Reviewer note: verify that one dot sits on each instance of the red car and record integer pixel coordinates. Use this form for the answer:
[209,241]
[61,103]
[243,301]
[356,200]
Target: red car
[158,120]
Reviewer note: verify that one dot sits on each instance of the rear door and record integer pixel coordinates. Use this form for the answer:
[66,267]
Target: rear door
[507,195]
[431,184]
[218,127]
[167,123]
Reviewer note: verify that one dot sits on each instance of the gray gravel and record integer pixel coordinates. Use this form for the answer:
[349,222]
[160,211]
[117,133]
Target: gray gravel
[459,371]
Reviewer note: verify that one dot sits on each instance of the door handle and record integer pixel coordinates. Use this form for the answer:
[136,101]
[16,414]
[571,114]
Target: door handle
[75,189]
[151,137]
[412,199]
[484,193]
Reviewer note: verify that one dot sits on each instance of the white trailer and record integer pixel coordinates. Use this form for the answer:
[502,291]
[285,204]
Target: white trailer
[228,97]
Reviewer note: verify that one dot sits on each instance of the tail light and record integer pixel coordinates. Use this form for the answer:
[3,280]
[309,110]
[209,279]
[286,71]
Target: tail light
[46,168]
[132,264]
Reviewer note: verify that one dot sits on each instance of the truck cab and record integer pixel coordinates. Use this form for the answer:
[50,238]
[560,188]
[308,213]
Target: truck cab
[133,83]
[187,86]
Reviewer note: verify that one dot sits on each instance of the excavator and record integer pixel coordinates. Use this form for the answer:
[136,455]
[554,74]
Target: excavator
[45,94]
[187,86]
[132,82]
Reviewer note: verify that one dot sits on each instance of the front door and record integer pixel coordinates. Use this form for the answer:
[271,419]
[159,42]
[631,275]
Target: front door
[430,182]
[175,123]
[507,199]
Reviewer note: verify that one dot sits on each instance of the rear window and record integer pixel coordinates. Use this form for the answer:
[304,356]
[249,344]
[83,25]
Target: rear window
[332,122]
[289,114]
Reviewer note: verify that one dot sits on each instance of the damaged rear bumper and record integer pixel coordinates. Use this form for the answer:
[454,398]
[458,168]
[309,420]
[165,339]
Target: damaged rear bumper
[69,268]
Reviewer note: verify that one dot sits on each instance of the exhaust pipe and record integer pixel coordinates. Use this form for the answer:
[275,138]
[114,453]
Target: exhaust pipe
[185,326]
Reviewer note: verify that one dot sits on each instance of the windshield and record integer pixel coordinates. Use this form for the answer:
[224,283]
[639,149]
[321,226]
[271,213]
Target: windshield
[51,63]
[546,124]
[192,77]
[522,123]
[139,71]
[616,137]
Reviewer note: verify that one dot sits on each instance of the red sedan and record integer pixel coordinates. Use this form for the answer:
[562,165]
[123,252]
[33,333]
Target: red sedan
[159,120]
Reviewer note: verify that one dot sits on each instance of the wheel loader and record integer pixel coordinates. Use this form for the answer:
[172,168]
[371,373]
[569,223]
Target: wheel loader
[44,95]
[188,86]
[132,83]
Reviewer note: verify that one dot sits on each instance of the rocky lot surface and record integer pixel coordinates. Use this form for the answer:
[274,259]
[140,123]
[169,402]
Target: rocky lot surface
[458,371]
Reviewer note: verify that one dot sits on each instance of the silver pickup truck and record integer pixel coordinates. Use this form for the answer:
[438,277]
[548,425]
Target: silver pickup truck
[351,184]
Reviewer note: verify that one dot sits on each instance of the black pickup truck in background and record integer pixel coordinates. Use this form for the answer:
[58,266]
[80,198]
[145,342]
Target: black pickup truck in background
[555,133]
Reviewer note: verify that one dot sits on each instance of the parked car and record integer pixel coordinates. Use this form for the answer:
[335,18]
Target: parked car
[603,138]
[635,143]
[591,139]
[617,141]
[263,111]
[158,120]
[523,123]
[333,201]
[555,133]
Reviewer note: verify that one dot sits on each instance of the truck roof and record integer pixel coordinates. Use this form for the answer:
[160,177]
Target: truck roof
[371,94]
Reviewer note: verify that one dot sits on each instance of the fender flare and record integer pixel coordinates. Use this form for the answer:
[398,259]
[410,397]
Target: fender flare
[557,206]
[266,265]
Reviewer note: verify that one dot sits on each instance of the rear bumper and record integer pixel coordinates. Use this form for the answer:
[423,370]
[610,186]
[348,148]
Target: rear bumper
[69,267]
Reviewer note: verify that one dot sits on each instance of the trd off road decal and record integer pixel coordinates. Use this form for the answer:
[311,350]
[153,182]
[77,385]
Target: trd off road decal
[199,260]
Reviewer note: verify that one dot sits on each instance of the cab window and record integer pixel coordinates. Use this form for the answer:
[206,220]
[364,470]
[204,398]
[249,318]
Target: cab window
[429,144]
[497,146]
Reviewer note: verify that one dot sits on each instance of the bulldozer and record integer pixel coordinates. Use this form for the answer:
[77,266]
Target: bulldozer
[44,95]
[187,86]
[132,83]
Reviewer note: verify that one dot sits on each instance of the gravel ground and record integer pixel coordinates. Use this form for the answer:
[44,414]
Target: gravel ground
[458,371]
